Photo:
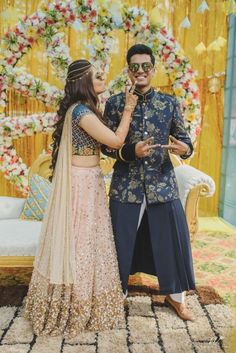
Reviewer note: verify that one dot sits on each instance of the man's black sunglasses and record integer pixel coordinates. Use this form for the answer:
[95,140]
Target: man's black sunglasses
[134,67]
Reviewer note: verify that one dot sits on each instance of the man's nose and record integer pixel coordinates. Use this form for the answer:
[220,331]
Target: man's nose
[140,69]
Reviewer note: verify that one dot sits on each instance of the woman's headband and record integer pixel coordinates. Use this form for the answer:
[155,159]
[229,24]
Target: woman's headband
[79,72]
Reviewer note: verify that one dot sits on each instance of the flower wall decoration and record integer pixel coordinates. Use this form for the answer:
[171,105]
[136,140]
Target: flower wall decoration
[100,18]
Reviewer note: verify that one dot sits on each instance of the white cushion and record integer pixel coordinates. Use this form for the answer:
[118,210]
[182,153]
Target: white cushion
[11,207]
[19,237]
[188,177]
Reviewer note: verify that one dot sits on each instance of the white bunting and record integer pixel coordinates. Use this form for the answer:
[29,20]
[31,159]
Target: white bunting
[203,7]
[185,23]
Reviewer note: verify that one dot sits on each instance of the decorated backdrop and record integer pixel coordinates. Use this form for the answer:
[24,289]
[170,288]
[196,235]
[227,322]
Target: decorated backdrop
[40,38]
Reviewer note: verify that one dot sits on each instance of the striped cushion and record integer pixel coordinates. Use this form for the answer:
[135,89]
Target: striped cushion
[37,199]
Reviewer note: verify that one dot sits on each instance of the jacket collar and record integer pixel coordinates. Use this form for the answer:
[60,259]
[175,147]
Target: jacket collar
[144,97]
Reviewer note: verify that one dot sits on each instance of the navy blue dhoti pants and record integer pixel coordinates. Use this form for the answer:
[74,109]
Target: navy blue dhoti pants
[161,245]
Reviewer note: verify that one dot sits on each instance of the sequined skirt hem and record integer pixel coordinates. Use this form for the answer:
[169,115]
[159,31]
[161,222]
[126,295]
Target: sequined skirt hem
[59,310]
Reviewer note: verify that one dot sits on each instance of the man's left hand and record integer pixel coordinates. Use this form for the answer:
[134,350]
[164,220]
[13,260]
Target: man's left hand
[177,147]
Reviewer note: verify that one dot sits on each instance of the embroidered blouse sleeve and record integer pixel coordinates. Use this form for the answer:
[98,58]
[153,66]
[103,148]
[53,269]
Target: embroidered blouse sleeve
[79,112]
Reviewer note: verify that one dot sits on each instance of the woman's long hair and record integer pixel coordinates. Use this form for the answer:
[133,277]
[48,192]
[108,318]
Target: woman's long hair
[78,88]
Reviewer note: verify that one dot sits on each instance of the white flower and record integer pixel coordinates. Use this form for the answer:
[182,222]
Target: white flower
[24,181]
[13,152]
[35,22]
[3,96]
[7,158]
[16,172]
[8,141]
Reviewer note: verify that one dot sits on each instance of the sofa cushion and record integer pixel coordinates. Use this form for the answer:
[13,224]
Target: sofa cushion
[37,200]
[11,207]
[19,237]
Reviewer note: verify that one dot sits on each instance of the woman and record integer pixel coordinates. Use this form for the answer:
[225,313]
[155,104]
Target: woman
[75,284]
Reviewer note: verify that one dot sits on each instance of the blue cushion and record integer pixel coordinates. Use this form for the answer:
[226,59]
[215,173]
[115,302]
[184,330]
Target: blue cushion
[36,202]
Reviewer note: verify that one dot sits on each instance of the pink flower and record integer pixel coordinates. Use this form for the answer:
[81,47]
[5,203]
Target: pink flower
[128,24]
[21,47]
[83,18]
[11,60]
[17,31]
[91,26]
[177,61]
[72,17]
[31,40]
[14,159]
[49,21]
[93,13]
[58,7]
[198,130]
[186,85]
[165,57]
[163,31]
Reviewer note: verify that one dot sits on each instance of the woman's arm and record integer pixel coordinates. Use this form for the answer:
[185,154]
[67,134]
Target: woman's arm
[114,139]
[95,128]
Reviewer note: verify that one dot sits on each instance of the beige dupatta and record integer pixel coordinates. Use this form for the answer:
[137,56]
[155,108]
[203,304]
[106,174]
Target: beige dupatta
[55,258]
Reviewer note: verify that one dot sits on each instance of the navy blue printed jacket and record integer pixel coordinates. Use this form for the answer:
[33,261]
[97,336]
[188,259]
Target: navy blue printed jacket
[156,115]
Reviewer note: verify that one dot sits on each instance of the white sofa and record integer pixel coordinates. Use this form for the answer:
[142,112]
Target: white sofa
[19,238]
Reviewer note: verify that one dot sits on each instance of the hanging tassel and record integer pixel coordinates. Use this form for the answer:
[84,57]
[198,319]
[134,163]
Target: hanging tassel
[185,23]
[156,18]
[214,46]
[10,16]
[217,44]
[200,48]
[231,7]
[221,41]
[203,7]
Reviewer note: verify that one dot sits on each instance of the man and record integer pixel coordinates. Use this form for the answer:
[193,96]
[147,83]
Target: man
[148,220]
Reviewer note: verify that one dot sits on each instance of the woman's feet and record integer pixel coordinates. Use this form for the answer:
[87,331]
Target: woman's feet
[180,309]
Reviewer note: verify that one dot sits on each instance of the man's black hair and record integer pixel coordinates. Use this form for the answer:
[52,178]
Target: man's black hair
[140,49]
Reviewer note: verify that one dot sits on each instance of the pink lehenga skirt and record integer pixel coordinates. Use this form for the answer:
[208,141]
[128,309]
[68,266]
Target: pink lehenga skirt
[95,303]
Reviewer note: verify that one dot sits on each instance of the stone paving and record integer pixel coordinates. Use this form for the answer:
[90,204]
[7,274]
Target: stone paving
[148,327]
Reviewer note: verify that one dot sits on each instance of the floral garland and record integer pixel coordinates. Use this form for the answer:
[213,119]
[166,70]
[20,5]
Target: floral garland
[12,128]
[101,18]
[29,86]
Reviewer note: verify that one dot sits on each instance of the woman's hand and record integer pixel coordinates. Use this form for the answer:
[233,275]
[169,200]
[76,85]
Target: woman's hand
[130,98]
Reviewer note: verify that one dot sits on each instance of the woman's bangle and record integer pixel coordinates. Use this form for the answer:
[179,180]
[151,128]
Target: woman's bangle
[129,108]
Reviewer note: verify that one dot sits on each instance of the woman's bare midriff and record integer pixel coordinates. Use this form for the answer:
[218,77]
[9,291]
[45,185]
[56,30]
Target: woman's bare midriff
[85,161]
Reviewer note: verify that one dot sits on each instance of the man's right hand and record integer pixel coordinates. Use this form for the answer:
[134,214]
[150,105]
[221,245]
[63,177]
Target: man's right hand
[145,148]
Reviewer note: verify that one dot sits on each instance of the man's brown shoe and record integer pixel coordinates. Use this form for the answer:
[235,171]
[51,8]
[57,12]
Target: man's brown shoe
[180,309]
